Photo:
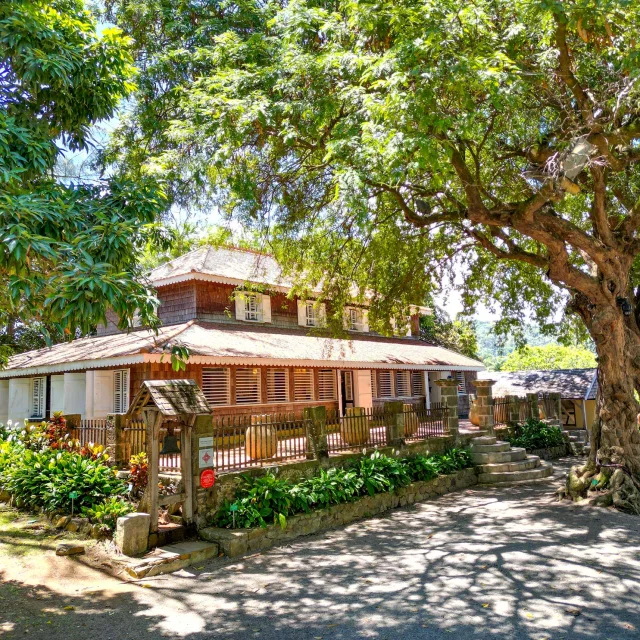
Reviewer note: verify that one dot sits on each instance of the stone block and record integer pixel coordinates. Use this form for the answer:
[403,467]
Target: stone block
[62,522]
[65,549]
[132,533]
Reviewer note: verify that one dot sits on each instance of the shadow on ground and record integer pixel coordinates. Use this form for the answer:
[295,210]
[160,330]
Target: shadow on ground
[482,563]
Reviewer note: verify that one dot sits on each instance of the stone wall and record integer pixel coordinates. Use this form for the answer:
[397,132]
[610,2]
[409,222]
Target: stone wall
[208,501]
[240,541]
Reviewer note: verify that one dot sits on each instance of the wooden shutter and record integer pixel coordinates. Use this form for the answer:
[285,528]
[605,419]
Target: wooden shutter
[302,385]
[417,383]
[462,386]
[302,313]
[38,388]
[239,305]
[326,384]
[374,386]
[321,315]
[385,384]
[215,386]
[247,386]
[121,391]
[277,385]
[364,321]
[403,384]
[265,306]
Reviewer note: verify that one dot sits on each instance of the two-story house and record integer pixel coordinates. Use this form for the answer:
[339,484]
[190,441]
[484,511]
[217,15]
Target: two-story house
[252,349]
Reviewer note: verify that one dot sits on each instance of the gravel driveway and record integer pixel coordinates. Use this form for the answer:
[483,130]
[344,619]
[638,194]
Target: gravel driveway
[482,563]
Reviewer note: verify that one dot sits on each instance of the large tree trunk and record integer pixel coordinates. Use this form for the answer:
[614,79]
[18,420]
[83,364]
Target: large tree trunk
[613,469]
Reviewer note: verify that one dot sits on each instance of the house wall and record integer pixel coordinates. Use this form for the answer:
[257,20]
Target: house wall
[4,401]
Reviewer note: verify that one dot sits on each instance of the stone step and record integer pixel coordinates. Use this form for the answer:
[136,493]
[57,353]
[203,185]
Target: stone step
[530,462]
[490,448]
[517,453]
[543,471]
[484,440]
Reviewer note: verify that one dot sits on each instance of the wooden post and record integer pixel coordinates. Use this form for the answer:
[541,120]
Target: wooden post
[186,469]
[153,422]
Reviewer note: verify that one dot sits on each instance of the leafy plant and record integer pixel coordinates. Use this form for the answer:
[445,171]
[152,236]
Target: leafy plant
[138,473]
[535,434]
[107,513]
[264,500]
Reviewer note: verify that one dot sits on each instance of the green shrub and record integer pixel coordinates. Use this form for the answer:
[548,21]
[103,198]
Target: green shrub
[107,513]
[45,479]
[264,500]
[535,434]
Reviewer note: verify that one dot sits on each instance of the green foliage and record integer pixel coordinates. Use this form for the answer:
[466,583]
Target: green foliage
[535,434]
[68,249]
[396,144]
[458,335]
[551,356]
[107,513]
[45,479]
[267,499]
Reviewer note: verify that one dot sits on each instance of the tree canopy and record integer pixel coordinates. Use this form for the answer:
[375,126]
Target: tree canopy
[68,250]
[550,356]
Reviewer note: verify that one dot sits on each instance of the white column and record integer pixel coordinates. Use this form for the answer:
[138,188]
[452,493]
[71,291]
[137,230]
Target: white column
[427,394]
[339,383]
[4,401]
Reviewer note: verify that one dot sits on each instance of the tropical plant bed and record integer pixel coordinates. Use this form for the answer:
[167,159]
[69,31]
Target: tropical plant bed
[236,542]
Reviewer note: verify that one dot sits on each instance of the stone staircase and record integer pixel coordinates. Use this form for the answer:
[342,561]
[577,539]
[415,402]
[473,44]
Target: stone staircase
[499,464]
[578,441]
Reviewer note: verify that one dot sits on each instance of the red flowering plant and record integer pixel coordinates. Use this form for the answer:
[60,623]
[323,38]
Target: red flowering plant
[138,473]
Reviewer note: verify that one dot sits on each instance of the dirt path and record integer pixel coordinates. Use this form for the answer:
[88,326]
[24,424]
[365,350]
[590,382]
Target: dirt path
[505,564]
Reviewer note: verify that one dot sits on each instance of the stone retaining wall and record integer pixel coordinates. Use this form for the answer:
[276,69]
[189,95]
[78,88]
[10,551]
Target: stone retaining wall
[237,542]
[550,453]
[209,501]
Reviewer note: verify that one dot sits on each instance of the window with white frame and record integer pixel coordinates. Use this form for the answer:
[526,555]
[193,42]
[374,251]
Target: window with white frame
[462,386]
[310,314]
[355,319]
[216,386]
[38,391]
[374,385]
[417,383]
[403,384]
[385,384]
[327,384]
[251,307]
[302,385]
[248,386]
[277,385]
[121,391]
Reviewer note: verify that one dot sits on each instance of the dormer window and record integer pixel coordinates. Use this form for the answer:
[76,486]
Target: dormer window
[356,319]
[253,307]
[311,313]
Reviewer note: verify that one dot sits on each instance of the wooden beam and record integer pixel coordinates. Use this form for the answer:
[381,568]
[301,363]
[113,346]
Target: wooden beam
[154,461]
[186,468]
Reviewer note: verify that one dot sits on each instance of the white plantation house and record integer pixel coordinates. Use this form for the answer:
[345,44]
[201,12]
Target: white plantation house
[252,351]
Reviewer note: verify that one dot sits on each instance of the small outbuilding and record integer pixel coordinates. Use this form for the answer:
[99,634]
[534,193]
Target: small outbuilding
[577,387]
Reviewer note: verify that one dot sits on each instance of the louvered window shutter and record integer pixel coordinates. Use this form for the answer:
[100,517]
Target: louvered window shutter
[302,385]
[462,386]
[417,383]
[365,321]
[248,386]
[374,386]
[240,298]
[326,384]
[385,384]
[403,387]
[277,385]
[38,386]
[121,391]
[215,386]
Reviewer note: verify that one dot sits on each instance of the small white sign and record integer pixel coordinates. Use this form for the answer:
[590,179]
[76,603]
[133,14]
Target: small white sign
[203,443]
[205,458]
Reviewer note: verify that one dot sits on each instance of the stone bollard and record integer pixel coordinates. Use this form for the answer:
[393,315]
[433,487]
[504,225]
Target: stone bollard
[532,400]
[395,428]
[556,400]
[132,533]
[449,393]
[316,431]
[513,410]
[484,404]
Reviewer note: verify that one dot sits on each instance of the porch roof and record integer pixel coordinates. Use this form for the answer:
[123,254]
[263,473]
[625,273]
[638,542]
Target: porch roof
[230,344]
